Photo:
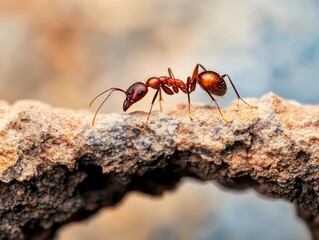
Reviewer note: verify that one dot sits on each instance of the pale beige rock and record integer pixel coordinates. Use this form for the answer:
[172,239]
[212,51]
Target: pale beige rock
[56,168]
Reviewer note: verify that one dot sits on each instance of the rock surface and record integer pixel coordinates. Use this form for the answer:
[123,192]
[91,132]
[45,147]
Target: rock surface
[56,168]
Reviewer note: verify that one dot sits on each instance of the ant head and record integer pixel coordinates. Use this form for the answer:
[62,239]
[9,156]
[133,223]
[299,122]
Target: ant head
[134,93]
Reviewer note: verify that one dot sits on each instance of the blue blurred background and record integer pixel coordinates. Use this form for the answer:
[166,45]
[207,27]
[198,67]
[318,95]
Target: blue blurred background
[64,52]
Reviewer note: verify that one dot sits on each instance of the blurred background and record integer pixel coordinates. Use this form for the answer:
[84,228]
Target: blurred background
[64,52]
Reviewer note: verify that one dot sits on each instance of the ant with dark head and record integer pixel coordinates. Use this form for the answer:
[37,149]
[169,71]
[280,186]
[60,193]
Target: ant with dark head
[211,82]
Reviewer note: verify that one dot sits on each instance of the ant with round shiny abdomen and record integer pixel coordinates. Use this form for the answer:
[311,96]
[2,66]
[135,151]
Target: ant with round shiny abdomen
[211,82]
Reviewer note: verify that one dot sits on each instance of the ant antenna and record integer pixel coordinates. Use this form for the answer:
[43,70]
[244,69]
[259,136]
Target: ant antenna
[98,109]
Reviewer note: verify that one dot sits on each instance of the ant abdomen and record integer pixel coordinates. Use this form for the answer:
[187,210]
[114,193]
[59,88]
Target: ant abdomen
[213,83]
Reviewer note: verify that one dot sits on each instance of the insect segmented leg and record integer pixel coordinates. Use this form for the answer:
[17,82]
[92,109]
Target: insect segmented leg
[213,100]
[160,100]
[149,113]
[238,96]
[188,84]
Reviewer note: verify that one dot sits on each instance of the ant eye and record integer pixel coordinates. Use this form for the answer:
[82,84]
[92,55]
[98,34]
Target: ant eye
[140,92]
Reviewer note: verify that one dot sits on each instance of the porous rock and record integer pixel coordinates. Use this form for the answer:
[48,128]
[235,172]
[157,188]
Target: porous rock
[56,168]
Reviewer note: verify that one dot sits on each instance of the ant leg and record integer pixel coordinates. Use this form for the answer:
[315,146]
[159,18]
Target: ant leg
[238,96]
[149,113]
[170,73]
[189,98]
[201,66]
[220,112]
[160,99]
[195,72]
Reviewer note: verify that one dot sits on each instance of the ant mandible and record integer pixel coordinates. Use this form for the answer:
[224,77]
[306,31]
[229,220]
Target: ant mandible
[211,82]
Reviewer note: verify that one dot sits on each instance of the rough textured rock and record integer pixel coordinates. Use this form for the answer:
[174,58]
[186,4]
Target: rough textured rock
[56,168]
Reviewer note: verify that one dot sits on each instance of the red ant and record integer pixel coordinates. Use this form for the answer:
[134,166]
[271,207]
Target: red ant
[211,82]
